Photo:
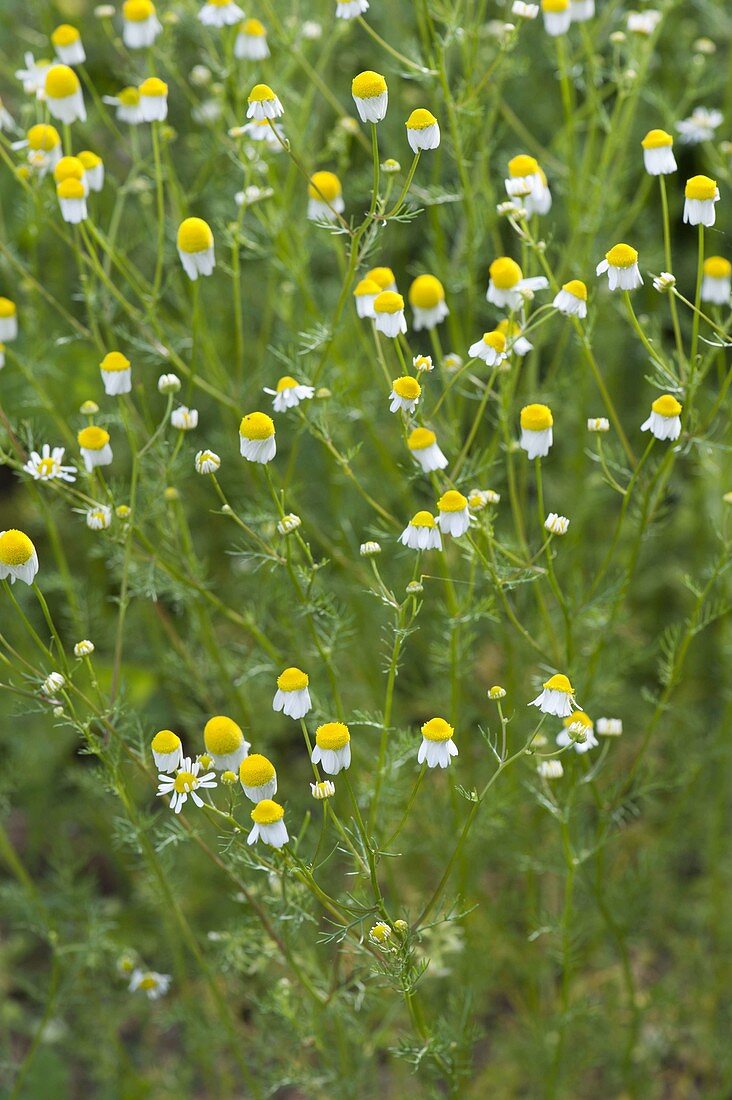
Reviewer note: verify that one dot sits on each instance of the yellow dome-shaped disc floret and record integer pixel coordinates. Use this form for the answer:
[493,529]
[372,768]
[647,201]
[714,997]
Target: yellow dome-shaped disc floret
[43,138]
[324,186]
[69,168]
[536,418]
[717,267]
[137,11]
[257,425]
[554,5]
[129,97]
[701,187]
[256,770]
[260,93]
[367,287]
[382,276]
[165,741]
[657,139]
[194,235]
[426,292]
[332,735]
[89,160]
[115,361]
[578,718]
[287,382]
[437,729]
[559,682]
[495,339]
[267,812]
[292,679]
[93,438]
[622,255]
[368,85]
[505,273]
[185,782]
[419,438]
[61,82]
[407,387]
[253,27]
[15,548]
[71,189]
[153,87]
[420,119]
[65,35]
[389,302]
[7,308]
[423,519]
[452,501]
[523,165]
[508,328]
[222,736]
[577,288]
[666,405]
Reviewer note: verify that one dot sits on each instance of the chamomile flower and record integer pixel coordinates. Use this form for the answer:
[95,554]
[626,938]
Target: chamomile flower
[325,197]
[643,22]
[577,733]
[324,789]
[383,277]
[44,147]
[206,462]
[8,321]
[423,130]
[527,182]
[220,13]
[116,372]
[478,499]
[598,424]
[422,533]
[557,16]
[258,778]
[700,194]
[550,769]
[658,153]
[289,393]
[523,10]
[405,394]
[507,286]
[84,648]
[491,348]
[269,825]
[452,513]
[67,43]
[621,265]
[186,781]
[140,24]
[423,364]
[389,314]
[664,282]
[572,299]
[169,383]
[257,437]
[365,294]
[263,103]
[196,247]
[71,168]
[184,419]
[557,697]
[93,169]
[64,97]
[259,129]
[292,696]
[153,100]
[332,747]
[167,750]
[224,743]
[700,126]
[33,76]
[609,727]
[537,433]
[556,525]
[48,465]
[151,983]
[423,447]
[665,419]
[18,557]
[351,9]
[95,447]
[516,343]
[427,299]
[371,96]
[437,746]
[717,280]
[582,10]
[127,104]
[98,517]
[251,41]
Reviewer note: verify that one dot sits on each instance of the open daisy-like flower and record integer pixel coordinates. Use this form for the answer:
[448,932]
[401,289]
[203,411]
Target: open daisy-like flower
[717,280]
[665,419]
[289,394]
[351,9]
[18,557]
[258,777]
[325,197]
[438,747]
[116,372]
[621,265]
[557,697]
[225,743]
[140,24]
[220,13]
[186,781]
[257,437]
[371,96]
[389,314]
[332,747]
[578,733]
[67,43]
[94,446]
[150,982]
[453,514]
[365,294]
[167,750]
[196,247]
[263,103]
[251,41]
[405,394]
[292,696]
[64,97]
[491,348]
[700,195]
[527,183]
[537,433]
[427,299]
[507,287]
[422,533]
[48,465]
[423,130]
[153,100]
[571,300]
[658,153]
[424,449]
[269,825]
[557,16]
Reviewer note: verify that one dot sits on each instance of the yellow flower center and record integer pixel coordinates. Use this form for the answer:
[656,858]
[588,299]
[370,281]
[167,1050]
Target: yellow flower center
[64,35]
[367,286]
[332,735]
[43,138]
[153,88]
[576,288]
[422,519]
[287,382]
[666,405]
[508,328]
[559,682]
[701,187]
[93,438]
[61,82]
[420,438]
[495,339]
[292,679]
[47,466]
[716,267]
[657,139]
[194,235]
[70,189]
[257,425]
[165,741]
[505,273]
[452,501]
[260,93]
[15,548]
[382,276]
[184,782]
[437,729]
[89,159]
[523,165]
[622,255]
[253,27]
[389,302]
[426,292]
[129,97]
[256,770]
[554,5]
[420,119]
[536,418]
[148,982]
[221,735]
[368,85]
[406,387]
[137,11]
[115,361]
[7,308]
[324,185]
[578,718]
[267,812]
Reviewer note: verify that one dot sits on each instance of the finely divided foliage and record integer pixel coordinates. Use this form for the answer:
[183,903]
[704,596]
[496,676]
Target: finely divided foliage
[364,542]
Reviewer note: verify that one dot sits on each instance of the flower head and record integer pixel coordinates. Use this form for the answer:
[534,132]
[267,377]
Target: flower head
[453,514]
[325,197]
[18,557]
[140,24]
[371,96]
[389,313]
[537,434]
[257,437]
[225,743]
[94,446]
[186,781]
[423,130]
[422,533]
[196,247]
[557,696]
[48,465]
[422,444]
[116,372]
[263,103]
[700,195]
[258,777]
[437,746]
[292,696]
[63,94]
[665,419]
[167,750]
[621,265]
[658,153]
[269,825]
[332,747]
